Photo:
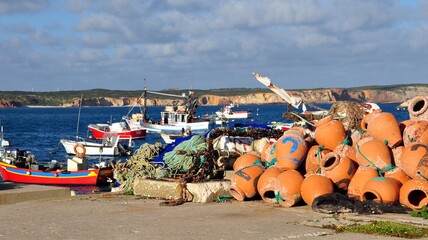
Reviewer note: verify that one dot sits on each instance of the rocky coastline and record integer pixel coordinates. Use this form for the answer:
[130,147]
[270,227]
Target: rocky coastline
[379,95]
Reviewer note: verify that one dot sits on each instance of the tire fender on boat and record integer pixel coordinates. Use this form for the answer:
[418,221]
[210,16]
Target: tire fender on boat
[79,150]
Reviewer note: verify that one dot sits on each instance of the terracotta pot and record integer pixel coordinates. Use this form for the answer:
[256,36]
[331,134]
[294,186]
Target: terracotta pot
[381,190]
[339,169]
[360,178]
[289,184]
[396,155]
[356,136]
[383,126]
[414,194]
[329,132]
[245,160]
[290,150]
[267,185]
[422,170]
[268,155]
[373,152]
[346,151]
[313,159]
[418,108]
[314,186]
[398,174]
[244,182]
[417,131]
[414,155]
[403,126]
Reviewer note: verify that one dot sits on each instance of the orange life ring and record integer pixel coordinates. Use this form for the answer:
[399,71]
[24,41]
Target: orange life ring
[79,150]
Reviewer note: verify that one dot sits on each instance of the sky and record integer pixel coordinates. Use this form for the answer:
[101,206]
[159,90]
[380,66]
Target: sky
[191,44]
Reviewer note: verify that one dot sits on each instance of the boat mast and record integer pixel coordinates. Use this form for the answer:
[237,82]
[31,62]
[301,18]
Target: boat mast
[145,101]
[78,117]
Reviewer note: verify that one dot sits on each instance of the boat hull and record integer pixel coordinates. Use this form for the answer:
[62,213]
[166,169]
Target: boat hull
[179,126]
[233,115]
[132,134]
[83,177]
[92,149]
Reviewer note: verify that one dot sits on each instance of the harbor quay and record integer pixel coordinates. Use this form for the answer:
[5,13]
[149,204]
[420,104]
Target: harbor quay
[117,216]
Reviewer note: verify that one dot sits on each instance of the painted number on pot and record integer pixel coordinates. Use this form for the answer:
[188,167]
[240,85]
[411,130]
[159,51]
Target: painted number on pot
[294,146]
[424,160]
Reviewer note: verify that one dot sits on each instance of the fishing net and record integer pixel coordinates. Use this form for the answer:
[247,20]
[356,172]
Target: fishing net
[339,203]
[349,113]
[138,166]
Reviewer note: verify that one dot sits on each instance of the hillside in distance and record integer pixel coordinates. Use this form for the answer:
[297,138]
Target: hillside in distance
[242,96]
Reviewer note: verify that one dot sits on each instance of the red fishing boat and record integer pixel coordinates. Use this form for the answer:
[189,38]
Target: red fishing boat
[124,129]
[100,176]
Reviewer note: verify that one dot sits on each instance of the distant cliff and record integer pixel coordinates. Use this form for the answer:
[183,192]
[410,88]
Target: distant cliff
[99,97]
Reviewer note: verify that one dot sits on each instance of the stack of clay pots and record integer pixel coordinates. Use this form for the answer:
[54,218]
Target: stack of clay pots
[385,162]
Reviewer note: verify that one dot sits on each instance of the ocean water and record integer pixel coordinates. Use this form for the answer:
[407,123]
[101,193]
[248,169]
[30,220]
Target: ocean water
[40,129]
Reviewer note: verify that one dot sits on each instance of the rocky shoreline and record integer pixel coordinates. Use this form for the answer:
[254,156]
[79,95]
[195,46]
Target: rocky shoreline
[397,94]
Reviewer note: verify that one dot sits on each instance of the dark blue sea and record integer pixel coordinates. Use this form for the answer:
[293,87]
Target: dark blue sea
[40,129]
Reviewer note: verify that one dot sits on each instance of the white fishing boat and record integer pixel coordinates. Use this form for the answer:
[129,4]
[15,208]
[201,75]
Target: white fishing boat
[109,146]
[173,118]
[227,112]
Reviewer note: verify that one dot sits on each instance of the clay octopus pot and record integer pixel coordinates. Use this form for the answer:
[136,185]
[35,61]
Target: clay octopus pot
[245,160]
[268,155]
[417,131]
[244,182]
[403,126]
[414,194]
[313,159]
[398,174]
[346,151]
[360,178]
[339,169]
[381,190]
[418,108]
[414,158]
[383,126]
[315,185]
[396,155]
[373,152]
[267,186]
[289,185]
[329,132]
[291,149]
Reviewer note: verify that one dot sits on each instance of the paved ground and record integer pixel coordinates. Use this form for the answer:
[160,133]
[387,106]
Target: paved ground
[112,216]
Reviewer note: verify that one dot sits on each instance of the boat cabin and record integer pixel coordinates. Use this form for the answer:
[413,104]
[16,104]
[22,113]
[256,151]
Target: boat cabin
[176,114]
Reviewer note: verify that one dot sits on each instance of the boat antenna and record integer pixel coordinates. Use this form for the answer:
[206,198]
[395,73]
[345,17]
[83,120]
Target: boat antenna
[78,116]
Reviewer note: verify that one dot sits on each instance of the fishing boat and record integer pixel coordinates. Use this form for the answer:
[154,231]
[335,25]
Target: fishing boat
[124,129]
[21,166]
[99,176]
[109,146]
[173,118]
[227,112]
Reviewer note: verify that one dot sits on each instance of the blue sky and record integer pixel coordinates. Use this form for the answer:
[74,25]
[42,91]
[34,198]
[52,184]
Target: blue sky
[116,44]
